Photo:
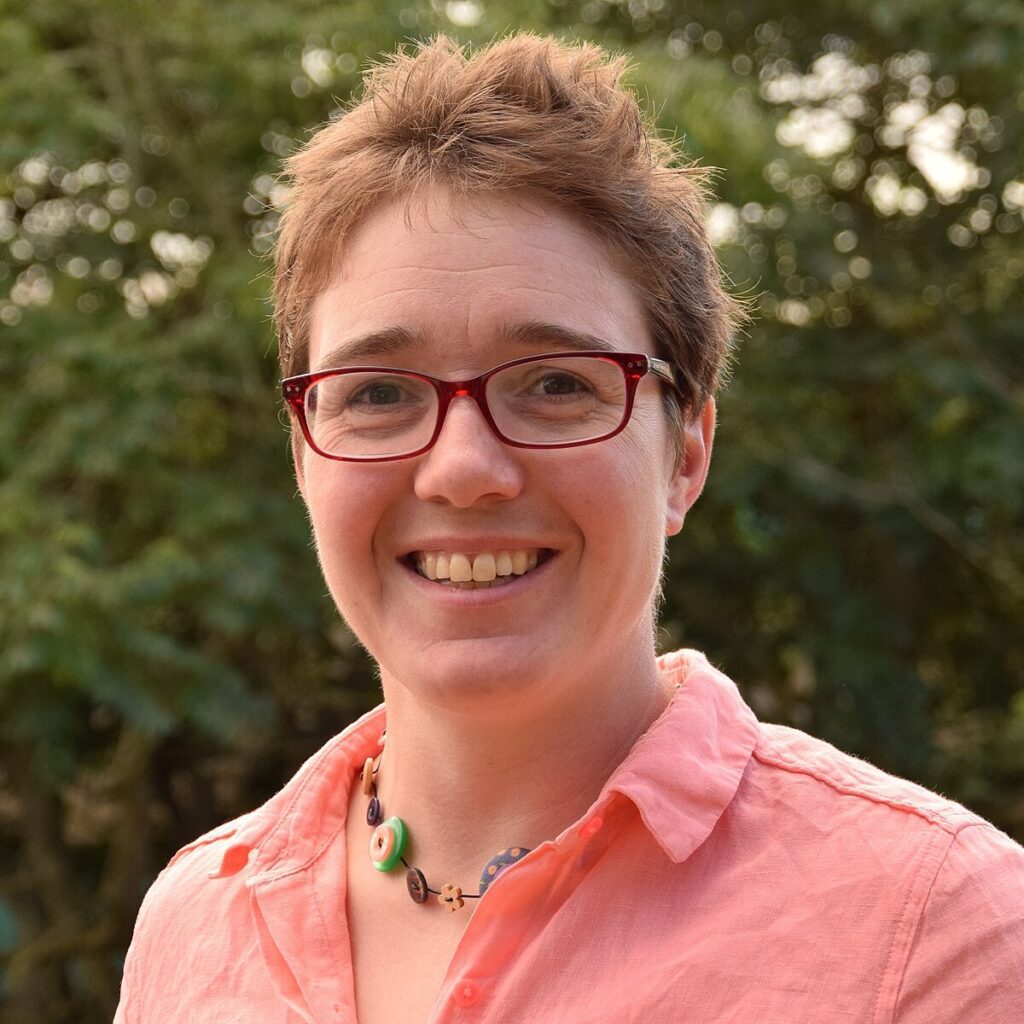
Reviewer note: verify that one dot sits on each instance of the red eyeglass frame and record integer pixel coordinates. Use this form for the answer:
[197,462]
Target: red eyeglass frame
[634,365]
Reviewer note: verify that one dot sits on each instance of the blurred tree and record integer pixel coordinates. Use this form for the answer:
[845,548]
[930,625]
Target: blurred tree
[167,652]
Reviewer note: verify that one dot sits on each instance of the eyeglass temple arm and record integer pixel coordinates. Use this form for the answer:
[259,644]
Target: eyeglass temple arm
[667,372]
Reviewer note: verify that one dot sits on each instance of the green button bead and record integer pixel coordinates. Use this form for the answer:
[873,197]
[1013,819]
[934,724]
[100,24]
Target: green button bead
[387,844]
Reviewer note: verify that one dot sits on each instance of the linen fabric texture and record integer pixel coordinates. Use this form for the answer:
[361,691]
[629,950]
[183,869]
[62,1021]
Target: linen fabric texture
[729,870]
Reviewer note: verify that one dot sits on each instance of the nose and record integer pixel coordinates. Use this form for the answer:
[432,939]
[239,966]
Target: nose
[468,465]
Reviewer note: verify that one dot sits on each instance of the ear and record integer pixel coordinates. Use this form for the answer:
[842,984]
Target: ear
[688,479]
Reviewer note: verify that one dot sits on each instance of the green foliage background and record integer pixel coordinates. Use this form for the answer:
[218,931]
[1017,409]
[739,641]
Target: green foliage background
[168,654]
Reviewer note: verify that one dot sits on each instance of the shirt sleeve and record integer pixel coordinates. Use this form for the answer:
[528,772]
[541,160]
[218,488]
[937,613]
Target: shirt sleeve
[125,1011]
[966,961]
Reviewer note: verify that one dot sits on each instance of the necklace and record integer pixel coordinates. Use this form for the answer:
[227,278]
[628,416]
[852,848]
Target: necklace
[391,838]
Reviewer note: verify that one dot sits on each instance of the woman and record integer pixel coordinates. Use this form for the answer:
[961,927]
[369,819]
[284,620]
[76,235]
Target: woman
[502,330]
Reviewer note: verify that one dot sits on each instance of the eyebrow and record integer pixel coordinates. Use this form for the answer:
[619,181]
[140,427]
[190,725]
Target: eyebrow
[392,341]
[387,342]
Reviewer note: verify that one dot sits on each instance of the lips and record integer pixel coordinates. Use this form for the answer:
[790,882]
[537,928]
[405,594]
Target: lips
[474,569]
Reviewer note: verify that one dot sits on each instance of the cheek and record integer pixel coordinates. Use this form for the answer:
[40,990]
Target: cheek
[640,473]
[636,503]
[621,496]
[343,513]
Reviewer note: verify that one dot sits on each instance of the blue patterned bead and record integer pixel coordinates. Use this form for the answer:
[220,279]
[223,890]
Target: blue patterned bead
[498,863]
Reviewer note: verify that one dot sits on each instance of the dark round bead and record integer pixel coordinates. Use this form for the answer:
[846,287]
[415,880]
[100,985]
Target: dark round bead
[498,863]
[417,885]
[373,813]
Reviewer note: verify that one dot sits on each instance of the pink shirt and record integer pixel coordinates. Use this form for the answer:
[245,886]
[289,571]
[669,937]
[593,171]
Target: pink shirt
[728,871]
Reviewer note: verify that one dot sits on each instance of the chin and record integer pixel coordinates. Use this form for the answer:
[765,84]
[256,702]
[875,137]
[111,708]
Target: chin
[486,671]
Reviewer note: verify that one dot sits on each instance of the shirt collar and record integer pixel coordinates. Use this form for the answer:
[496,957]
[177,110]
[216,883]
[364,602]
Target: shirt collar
[681,774]
[685,769]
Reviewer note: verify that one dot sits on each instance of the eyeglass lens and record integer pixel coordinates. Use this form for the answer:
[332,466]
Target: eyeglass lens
[554,401]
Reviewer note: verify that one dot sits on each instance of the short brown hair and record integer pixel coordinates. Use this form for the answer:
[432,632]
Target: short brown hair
[525,113]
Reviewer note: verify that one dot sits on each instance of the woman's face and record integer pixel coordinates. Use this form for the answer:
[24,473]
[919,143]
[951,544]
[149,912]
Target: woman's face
[460,286]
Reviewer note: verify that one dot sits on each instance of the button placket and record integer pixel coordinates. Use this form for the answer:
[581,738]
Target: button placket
[505,918]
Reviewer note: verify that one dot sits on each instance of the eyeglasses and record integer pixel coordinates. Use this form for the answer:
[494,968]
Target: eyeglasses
[557,400]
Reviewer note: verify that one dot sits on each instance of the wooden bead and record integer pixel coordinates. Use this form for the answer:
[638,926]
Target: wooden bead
[417,885]
[368,777]
[451,898]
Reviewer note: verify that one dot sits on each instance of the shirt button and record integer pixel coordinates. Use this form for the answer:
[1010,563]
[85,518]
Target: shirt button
[235,858]
[592,826]
[467,992]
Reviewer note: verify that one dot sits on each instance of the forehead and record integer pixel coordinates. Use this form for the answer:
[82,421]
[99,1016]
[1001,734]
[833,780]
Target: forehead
[452,280]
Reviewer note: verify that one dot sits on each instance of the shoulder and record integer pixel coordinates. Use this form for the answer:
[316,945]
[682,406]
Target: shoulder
[170,921]
[224,851]
[803,771]
[844,818]
[967,951]
[983,868]
[801,763]
[258,835]
[198,908]
[953,881]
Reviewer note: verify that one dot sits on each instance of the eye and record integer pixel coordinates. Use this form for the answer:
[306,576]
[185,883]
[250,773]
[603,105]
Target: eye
[562,384]
[555,383]
[377,393]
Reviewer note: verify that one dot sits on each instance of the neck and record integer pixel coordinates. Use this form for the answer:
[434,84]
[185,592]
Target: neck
[471,785]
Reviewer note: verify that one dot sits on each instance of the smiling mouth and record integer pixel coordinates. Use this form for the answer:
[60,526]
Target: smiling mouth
[473,571]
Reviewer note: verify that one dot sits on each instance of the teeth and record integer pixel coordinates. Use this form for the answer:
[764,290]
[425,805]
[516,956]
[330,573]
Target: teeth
[484,568]
[480,570]
[461,570]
